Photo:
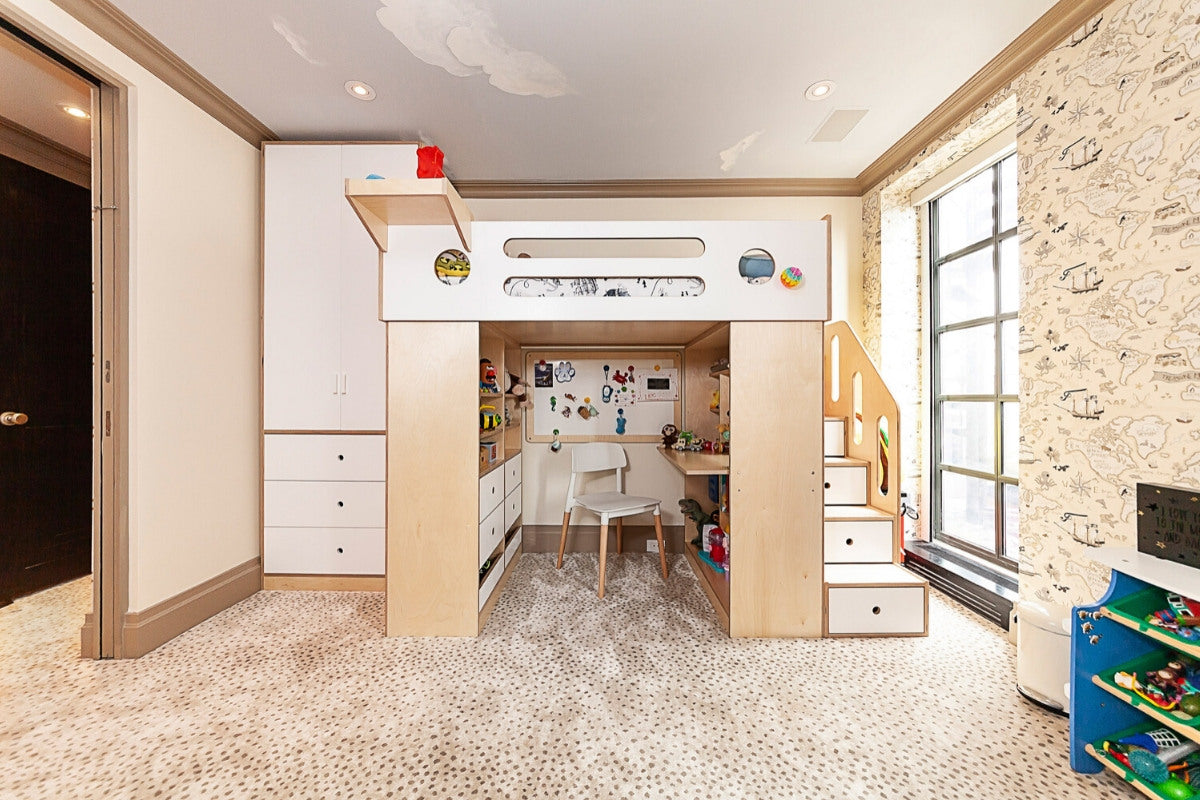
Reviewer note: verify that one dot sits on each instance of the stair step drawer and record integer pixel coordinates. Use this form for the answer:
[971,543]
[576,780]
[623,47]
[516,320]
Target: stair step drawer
[858,541]
[510,551]
[491,491]
[881,610]
[324,504]
[491,533]
[846,486]
[835,437]
[319,457]
[323,551]
[512,508]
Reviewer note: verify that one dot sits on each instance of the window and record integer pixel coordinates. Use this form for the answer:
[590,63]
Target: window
[974,298]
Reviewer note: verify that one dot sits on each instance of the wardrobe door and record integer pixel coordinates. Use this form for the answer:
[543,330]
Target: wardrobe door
[363,336]
[301,286]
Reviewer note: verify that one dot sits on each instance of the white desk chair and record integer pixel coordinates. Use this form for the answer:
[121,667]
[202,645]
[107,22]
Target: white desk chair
[599,457]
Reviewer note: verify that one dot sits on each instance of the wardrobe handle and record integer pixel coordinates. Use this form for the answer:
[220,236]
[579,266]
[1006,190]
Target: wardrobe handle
[343,383]
[335,383]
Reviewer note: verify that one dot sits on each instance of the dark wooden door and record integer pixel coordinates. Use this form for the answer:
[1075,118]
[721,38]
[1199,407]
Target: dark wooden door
[45,373]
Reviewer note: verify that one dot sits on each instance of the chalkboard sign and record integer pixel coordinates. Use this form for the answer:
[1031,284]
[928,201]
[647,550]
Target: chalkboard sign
[1168,524]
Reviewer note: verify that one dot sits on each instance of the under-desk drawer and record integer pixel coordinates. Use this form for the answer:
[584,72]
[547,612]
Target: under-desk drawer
[875,610]
[512,474]
[491,533]
[320,457]
[323,551]
[324,504]
[491,491]
[858,541]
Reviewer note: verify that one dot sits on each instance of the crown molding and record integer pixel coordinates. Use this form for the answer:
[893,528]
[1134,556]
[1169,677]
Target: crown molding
[1051,29]
[30,147]
[669,188]
[119,30]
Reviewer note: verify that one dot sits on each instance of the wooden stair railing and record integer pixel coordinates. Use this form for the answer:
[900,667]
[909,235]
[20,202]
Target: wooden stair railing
[864,411]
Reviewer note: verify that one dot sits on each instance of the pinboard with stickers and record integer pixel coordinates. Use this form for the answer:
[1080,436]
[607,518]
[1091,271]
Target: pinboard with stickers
[602,396]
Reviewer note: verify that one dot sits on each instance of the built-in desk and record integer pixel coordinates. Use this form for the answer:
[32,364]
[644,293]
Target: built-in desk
[692,463]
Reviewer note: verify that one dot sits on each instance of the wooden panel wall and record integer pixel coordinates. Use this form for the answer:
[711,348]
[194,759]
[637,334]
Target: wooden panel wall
[776,479]
[433,474]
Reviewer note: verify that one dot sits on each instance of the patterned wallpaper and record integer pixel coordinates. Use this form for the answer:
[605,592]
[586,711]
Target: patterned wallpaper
[1109,151]
[1109,177]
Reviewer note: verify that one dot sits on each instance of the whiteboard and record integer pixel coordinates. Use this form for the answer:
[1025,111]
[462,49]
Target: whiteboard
[573,393]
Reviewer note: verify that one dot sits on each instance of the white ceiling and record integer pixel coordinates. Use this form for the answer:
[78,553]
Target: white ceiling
[577,91]
[32,90]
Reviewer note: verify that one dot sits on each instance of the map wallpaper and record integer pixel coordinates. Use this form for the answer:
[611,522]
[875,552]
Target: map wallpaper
[1109,197]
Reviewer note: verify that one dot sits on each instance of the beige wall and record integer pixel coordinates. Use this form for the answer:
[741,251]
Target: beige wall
[193,345]
[545,473]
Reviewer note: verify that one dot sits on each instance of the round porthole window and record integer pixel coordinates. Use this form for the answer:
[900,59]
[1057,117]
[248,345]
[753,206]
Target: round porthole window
[452,267]
[756,266]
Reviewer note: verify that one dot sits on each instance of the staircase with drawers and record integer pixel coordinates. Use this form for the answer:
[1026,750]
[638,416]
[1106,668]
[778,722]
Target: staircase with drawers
[867,592]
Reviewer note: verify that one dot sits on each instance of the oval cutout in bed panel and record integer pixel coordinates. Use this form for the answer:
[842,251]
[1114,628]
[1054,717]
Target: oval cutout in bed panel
[682,286]
[604,248]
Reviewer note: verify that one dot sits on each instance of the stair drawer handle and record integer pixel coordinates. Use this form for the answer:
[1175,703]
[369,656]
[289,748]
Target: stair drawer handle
[849,542]
[827,484]
[875,611]
[341,457]
[340,504]
[340,550]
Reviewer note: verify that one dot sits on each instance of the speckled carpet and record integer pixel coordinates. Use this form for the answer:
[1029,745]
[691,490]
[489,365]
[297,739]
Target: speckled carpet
[298,694]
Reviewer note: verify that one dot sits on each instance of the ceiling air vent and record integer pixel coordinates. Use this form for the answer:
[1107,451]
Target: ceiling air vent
[837,126]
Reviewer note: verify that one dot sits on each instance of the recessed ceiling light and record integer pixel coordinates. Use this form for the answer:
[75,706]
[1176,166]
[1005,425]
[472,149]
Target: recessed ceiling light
[359,90]
[820,90]
[75,111]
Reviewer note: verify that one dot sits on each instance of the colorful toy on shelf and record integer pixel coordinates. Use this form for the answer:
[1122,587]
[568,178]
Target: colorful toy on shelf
[669,434]
[791,278]
[1166,687]
[487,376]
[488,418]
[1181,619]
[429,162]
[1154,754]
[692,510]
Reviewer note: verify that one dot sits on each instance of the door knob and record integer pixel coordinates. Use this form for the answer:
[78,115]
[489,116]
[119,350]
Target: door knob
[13,418]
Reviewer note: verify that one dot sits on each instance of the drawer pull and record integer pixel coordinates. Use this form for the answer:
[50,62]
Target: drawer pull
[827,484]
[341,457]
[340,504]
[849,542]
[340,551]
[875,611]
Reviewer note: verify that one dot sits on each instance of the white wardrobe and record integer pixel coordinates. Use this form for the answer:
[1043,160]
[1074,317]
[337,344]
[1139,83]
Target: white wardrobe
[324,366]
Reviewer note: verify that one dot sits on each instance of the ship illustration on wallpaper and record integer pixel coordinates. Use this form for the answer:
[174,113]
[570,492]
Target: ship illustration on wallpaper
[1081,154]
[1080,529]
[1082,405]
[1082,278]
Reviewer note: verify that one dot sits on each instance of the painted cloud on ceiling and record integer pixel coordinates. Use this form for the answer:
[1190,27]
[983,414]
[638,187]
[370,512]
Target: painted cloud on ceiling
[297,42]
[462,39]
[730,156]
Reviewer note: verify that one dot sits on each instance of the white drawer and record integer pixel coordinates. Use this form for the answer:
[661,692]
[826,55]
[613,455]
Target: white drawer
[869,609]
[846,486]
[835,437]
[324,504]
[323,551]
[512,474]
[491,533]
[491,491]
[512,508]
[493,578]
[510,551]
[291,457]
[858,541]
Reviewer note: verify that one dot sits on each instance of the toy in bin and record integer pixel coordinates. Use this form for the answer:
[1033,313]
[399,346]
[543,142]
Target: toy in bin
[1162,758]
[1175,684]
[1181,619]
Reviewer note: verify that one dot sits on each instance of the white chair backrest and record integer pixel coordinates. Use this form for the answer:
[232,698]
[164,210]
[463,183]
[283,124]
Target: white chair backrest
[596,456]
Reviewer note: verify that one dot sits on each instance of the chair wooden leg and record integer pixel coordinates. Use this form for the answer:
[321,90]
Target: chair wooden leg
[620,532]
[562,542]
[603,553]
[662,551]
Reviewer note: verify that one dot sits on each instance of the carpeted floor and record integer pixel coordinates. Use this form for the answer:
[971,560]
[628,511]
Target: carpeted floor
[640,695]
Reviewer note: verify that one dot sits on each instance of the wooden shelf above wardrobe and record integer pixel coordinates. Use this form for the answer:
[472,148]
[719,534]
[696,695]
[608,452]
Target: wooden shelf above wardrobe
[380,203]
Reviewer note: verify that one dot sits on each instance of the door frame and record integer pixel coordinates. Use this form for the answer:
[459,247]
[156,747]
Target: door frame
[101,632]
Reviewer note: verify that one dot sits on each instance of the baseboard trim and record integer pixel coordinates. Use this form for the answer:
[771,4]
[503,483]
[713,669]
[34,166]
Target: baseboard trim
[87,637]
[586,538]
[988,595]
[145,630]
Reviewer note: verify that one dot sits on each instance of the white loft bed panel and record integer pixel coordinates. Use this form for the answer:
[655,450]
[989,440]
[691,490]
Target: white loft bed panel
[412,291]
